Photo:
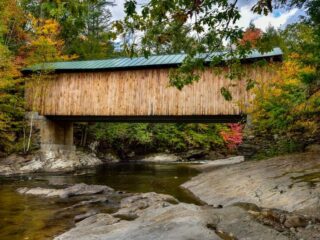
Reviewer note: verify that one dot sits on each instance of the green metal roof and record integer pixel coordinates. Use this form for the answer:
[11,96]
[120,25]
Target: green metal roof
[136,62]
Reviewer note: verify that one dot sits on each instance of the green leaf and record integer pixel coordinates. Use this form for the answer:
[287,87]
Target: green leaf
[226,94]
[130,7]
[250,84]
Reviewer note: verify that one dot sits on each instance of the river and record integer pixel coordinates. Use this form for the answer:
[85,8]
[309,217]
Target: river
[32,218]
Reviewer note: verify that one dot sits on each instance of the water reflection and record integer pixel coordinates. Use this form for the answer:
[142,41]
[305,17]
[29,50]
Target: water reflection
[27,217]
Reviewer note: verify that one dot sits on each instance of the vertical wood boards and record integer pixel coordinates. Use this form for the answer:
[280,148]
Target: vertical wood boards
[137,93]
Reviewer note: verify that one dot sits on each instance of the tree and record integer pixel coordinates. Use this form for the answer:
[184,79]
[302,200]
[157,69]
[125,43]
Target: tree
[12,23]
[157,137]
[11,86]
[288,105]
[44,46]
[211,23]
[270,39]
[251,36]
[84,24]
[94,42]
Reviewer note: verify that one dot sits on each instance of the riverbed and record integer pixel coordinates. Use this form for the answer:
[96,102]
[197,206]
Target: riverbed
[28,217]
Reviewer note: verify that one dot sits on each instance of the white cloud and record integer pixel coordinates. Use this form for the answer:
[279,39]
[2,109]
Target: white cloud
[264,21]
[247,15]
[261,21]
[118,10]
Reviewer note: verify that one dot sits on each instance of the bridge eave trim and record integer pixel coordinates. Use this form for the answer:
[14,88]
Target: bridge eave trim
[153,118]
[273,58]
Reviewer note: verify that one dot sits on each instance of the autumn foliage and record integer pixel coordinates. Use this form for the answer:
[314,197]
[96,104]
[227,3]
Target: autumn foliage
[233,136]
[251,36]
[284,106]
[24,39]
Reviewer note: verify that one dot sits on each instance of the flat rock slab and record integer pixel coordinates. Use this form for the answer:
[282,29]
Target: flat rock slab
[157,217]
[233,223]
[207,166]
[75,190]
[179,222]
[145,216]
[288,182]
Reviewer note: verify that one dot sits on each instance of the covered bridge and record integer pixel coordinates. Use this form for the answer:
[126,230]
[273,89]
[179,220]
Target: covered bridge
[134,89]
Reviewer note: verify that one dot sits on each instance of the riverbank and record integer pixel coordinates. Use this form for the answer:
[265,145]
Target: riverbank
[65,161]
[270,199]
[48,161]
[273,199]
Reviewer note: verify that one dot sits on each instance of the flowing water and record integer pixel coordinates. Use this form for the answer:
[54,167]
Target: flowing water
[32,218]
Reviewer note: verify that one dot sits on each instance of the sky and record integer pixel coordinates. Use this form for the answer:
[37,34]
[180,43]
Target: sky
[279,18]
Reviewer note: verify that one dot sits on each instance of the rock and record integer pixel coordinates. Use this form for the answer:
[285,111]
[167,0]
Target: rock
[40,191]
[75,190]
[131,154]
[6,170]
[217,163]
[237,222]
[214,155]
[179,221]
[284,221]
[125,216]
[96,200]
[100,219]
[80,217]
[111,157]
[194,154]
[160,157]
[295,221]
[247,149]
[290,183]
[135,204]
[313,148]
[93,146]
[147,216]
[48,161]
[84,189]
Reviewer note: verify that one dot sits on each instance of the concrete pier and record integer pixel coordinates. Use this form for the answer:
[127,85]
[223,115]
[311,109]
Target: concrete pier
[56,135]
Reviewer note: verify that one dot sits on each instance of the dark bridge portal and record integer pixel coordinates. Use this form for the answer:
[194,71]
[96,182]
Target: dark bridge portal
[136,90]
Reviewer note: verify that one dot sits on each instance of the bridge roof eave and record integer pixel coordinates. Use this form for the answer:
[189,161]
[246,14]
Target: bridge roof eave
[158,61]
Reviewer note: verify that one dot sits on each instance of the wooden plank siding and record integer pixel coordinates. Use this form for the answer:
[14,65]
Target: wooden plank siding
[143,92]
